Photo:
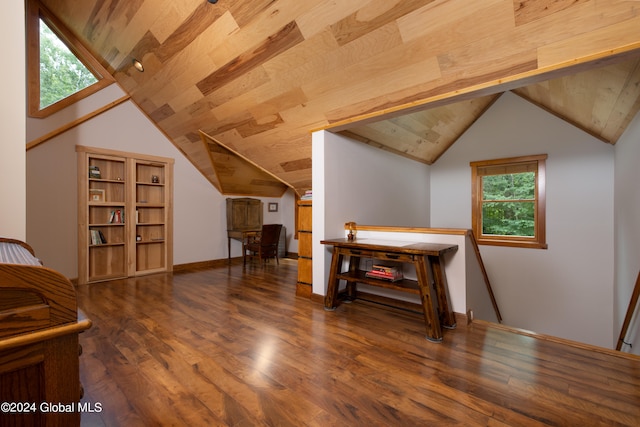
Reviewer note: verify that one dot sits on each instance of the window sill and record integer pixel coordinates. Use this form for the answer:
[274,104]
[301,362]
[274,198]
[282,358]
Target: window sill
[512,243]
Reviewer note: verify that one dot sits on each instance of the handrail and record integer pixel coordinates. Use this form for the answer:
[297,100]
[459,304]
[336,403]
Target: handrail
[630,310]
[484,274]
[400,229]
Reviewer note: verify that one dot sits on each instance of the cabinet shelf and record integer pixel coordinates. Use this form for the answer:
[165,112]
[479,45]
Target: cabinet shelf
[143,205]
[153,184]
[102,245]
[111,181]
[146,242]
[110,203]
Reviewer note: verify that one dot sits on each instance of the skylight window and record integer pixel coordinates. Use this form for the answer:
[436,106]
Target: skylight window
[60,70]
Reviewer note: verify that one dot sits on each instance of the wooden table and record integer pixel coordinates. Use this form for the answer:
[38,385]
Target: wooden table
[437,312]
[239,235]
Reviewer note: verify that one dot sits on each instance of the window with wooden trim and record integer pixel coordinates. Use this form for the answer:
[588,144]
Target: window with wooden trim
[60,70]
[508,201]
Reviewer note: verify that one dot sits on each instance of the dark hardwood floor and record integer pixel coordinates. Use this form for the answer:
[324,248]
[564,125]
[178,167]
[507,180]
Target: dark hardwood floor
[233,346]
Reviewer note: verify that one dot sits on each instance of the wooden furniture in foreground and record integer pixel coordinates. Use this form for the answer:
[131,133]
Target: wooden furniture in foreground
[305,249]
[263,244]
[437,313]
[125,214]
[244,215]
[39,347]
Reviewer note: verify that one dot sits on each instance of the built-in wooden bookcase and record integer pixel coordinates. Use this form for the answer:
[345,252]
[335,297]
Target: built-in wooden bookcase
[152,225]
[106,258]
[125,205]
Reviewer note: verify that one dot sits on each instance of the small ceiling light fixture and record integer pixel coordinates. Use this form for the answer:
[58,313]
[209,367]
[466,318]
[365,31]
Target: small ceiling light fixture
[137,65]
[213,1]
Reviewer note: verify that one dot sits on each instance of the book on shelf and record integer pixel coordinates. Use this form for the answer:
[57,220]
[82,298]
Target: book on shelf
[308,195]
[97,238]
[385,268]
[385,272]
[116,217]
[94,172]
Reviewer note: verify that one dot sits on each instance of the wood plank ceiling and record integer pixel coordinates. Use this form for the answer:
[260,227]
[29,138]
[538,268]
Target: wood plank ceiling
[239,85]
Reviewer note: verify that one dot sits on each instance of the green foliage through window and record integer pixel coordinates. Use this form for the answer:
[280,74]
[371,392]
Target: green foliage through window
[508,204]
[61,72]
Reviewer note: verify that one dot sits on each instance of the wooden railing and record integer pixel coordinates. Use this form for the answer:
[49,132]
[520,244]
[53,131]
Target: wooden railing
[630,310]
[472,239]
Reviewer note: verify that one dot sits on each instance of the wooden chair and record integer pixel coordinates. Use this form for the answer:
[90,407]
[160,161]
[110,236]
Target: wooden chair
[262,244]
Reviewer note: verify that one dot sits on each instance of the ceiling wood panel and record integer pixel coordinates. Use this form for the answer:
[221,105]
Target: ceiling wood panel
[259,75]
[599,40]
[445,24]
[601,101]
[370,17]
[532,10]
[282,40]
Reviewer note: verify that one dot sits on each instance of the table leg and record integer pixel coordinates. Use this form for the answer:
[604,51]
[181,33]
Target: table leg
[431,318]
[445,312]
[352,287]
[330,299]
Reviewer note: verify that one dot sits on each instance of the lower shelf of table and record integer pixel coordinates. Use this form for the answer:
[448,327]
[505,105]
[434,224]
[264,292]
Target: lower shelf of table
[404,285]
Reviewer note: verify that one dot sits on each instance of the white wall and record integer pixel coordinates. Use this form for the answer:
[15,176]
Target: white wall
[12,121]
[627,236]
[199,209]
[567,289]
[285,215]
[355,182]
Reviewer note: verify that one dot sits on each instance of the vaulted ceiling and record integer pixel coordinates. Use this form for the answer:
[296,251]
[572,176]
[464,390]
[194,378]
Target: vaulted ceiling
[239,85]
